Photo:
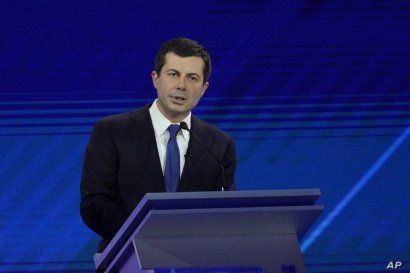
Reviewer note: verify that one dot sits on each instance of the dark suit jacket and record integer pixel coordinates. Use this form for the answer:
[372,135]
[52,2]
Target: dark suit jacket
[121,164]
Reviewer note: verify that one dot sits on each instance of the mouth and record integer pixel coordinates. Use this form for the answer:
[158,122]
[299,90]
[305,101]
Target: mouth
[178,99]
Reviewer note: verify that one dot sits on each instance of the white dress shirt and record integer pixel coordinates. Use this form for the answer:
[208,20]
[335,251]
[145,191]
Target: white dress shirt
[161,124]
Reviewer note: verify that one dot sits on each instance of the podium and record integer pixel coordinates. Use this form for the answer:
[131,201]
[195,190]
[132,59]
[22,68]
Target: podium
[235,229]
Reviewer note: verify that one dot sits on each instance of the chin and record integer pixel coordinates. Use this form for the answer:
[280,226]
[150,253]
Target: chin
[179,108]
[180,111]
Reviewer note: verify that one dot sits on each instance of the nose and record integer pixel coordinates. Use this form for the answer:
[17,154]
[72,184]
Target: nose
[181,84]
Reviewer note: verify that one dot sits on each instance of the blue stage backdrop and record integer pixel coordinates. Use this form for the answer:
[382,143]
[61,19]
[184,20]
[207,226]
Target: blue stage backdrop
[315,94]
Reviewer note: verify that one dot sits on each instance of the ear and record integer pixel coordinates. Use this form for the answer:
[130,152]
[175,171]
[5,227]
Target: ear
[204,88]
[154,76]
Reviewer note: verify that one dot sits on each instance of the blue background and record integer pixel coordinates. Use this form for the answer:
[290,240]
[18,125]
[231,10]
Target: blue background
[315,94]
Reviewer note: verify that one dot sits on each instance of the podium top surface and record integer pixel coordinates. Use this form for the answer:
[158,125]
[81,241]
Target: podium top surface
[225,199]
[204,200]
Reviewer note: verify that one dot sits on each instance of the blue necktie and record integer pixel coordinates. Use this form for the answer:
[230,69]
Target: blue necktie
[172,167]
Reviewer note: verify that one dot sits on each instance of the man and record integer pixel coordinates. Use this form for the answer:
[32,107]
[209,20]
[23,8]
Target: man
[146,150]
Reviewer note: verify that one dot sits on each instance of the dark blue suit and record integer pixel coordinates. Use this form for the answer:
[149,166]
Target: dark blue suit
[121,164]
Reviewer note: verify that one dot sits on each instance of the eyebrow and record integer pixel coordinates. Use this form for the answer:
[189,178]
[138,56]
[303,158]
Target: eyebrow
[194,74]
[171,69]
[189,74]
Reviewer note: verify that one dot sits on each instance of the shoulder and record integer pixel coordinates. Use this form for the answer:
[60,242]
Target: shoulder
[123,120]
[211,131]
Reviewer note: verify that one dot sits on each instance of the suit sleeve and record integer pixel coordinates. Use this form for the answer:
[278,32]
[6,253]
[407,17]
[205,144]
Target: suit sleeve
[99,206]
[229,162]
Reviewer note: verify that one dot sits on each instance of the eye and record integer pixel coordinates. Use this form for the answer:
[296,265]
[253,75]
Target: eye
[193,78]
[172,74]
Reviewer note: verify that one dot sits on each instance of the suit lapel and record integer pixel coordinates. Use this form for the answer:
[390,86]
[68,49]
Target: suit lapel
[191,178]
[147,151]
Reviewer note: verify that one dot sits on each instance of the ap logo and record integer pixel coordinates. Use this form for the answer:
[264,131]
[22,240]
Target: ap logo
[394,265]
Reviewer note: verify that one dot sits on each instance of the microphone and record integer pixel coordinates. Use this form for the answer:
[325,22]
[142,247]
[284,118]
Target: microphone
[184,126]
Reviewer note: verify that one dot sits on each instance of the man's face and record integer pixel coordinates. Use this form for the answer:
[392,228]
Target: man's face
[179,86]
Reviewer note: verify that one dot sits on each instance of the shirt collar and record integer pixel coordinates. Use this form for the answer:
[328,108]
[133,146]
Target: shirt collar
[161,123]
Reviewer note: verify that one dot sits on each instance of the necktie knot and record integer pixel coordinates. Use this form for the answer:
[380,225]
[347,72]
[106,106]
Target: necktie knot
[173,130]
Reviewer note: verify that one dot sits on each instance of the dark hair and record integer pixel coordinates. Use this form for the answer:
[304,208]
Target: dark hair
[183,47]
